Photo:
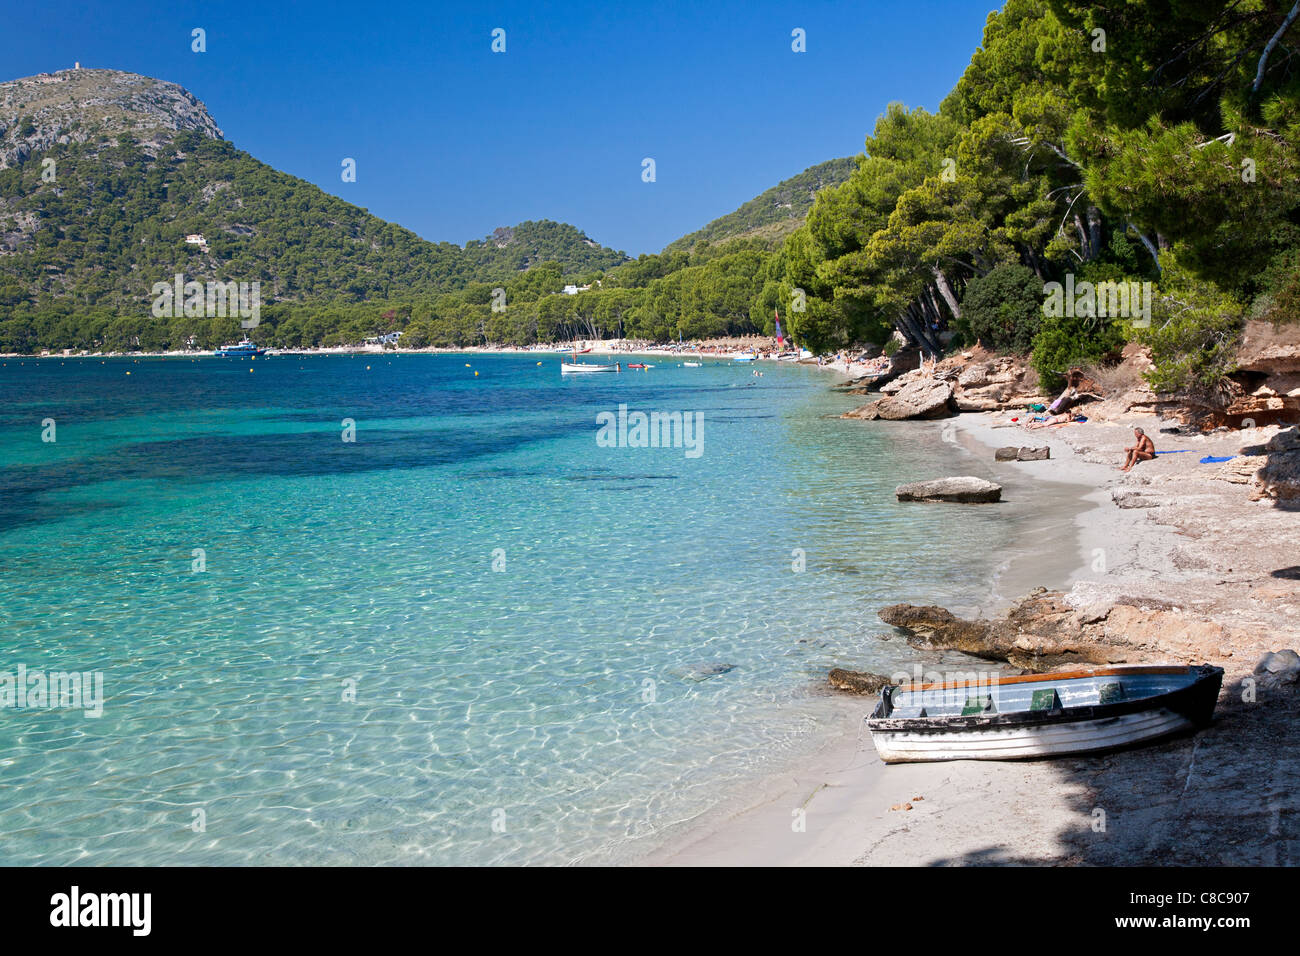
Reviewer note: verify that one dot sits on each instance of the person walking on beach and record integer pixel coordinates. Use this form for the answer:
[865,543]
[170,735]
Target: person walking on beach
[1142,450]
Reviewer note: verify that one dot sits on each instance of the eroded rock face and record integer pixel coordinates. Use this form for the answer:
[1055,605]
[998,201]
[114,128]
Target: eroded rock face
[922,398]
[990,398]
[1268,348]
[1280,477]
[963,490]
[1040,633]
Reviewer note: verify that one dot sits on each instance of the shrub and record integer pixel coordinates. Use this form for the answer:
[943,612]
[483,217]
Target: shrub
[1194,337]
[1064,342]
[1003,310]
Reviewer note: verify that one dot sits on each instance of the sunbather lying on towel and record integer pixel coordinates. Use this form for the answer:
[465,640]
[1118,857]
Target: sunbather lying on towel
[1052,420]
[1142,450]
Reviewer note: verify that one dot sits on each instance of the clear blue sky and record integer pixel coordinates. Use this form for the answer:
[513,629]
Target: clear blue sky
[452,140]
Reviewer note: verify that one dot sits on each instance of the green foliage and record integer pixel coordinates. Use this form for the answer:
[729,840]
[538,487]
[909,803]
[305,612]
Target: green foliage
[1004,309]
[114,224]
[1194,336]
[1064,342]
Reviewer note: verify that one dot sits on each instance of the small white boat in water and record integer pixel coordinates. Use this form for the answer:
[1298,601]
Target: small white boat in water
[692,364]
[1041,715]
[573,368]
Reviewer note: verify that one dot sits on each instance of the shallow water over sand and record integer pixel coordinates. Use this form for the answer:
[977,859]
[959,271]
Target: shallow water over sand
[473,635]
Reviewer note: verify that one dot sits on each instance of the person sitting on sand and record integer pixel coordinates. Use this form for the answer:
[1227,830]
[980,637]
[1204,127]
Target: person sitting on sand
[1143,450]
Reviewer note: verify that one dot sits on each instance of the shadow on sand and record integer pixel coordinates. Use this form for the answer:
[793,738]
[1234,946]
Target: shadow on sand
[1223,796]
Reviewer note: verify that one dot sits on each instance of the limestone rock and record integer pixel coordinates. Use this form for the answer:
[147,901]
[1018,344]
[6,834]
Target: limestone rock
[990,398]
[1011,453]
[1269,348]
[1280,478]
[922,398]
[1279,662]
[857,682]
[966,489]
[1040,632]
[1127,498]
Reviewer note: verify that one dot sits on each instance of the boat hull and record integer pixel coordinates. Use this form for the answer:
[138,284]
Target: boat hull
[570,369]
[1026,735]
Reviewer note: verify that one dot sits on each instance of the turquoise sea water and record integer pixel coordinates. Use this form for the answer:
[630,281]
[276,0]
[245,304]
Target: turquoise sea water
[556,650]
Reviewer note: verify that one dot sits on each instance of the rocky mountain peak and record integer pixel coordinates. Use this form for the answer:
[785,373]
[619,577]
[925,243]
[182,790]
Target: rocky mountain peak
[73,106]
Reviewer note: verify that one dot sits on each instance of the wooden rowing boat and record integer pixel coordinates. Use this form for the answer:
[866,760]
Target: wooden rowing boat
[1042,715]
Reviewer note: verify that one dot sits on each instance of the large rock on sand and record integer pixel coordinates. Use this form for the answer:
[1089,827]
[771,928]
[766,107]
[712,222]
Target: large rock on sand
[923,398]
[965,490]
[1024,453]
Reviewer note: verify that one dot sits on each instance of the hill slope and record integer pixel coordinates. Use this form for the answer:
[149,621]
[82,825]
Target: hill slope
[774,213]
[139,164]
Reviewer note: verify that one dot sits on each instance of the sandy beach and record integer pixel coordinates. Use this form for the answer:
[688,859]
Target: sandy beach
[1202,558]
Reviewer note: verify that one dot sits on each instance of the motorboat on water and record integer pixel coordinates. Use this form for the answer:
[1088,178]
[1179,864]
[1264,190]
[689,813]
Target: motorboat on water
[240,349]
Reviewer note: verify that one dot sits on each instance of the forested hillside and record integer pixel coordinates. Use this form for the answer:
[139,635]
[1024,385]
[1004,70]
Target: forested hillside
[110,172]
[775,213]
[1104,140]
[1085,143]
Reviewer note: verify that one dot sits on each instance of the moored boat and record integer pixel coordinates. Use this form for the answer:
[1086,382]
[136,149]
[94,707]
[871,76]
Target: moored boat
[1042,715]
[240,350]
[568,368]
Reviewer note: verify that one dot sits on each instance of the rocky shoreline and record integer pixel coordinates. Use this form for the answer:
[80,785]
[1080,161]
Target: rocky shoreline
[1200,548]
[1175,561]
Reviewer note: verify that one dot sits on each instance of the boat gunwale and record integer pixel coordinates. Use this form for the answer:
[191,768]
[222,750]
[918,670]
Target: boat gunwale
[1182,700]
[1130,671]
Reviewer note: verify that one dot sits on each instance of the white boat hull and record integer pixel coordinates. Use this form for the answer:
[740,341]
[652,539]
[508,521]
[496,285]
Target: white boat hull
[569,369]
[1015,743]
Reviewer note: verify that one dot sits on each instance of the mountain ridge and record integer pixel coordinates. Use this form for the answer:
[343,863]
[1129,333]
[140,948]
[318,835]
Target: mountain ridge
[136,164]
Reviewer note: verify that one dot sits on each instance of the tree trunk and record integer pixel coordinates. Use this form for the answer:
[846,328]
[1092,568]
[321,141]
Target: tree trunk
[945,290]
[1094,231]
[916,327]
[1155,253]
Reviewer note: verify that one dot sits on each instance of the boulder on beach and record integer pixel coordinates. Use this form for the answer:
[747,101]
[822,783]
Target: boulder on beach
[1012,453]
[922,398]
[1279,667]
[965,490]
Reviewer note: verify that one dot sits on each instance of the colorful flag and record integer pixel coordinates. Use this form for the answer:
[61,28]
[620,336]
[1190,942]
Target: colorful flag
[780,339]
